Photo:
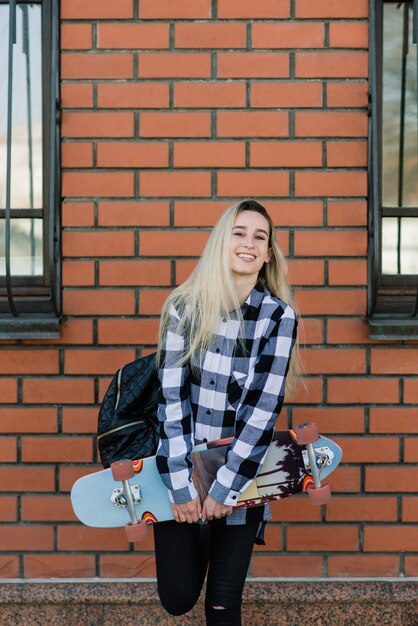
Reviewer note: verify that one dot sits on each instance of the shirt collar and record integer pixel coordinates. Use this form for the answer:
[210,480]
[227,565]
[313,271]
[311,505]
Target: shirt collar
[255,297]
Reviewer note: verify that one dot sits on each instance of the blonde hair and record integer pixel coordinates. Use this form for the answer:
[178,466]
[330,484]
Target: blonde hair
[209,292]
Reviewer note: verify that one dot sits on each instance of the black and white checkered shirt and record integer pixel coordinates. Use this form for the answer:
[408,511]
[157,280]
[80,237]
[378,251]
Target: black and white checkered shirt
[239,393]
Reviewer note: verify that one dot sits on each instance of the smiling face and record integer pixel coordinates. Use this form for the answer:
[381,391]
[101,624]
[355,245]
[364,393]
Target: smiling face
[249,245]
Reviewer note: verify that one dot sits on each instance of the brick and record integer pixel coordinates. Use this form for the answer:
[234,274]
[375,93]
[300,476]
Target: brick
[210,35]
[74,331]
[91,539]
[102,124]
[24,538]
[76,95]
[334,361]
[57,449]
[294,510]
[310,393]
[78,273]
[318,539]
[331,65]
[347,272]
[133,95]
[127,565]
[253,65]
[346,480]
[136,332]
[286,94]
[68,475]
[103,386]
[169,184]
[77,65]
[8,508]
[347,213]
[370,449]
[285,154]
[76,36]
[393,420]
[9,566]
[331,301]
[363,390]
[253,183]
[331,420]
[98,243]
[8,389]
[96,361]
[411,391]
[59,566]
[410,509]
[411,565]
[352,94]
[311,331]
[28,361]
[139,154]
[331,243]
[346,154]
[330,184]
[198,212]
[332,8]
[78,154]
[47,509]
[348,35]
[194,124]
[391,479]
[79,420]
[182,9]
[391,538]
[394,361]
[28,420]
[8,449]
[306,272]
[134,273]
[27,479]
[95,183]
[77,214]
[347,331]
[133,213]
[95,9]
[285,566]
[273,537]
[133,35]
[174,65]
[360,565]
[58,391]
[248,9]
[362,509]
[330,124]
[99,302]
[172,243]
[411,451]
[252,124]
[205,95]
[152,300]
[209,154]
[288,35]
[183,270]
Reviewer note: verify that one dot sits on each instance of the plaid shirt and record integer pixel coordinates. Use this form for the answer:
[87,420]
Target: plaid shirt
[237,394]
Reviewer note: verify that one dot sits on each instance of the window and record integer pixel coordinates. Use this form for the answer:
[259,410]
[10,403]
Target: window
[29,170]
[393,170]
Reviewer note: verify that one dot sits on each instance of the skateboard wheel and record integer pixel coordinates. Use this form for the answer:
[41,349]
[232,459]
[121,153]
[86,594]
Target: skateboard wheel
[319,495]
[122,470]
[306,433]
[136,532]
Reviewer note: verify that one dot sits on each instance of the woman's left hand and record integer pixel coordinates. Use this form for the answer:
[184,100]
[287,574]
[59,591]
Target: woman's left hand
[214,510]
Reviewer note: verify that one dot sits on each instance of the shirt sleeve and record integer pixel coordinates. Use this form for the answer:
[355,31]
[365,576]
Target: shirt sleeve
[175,417]
[260,404]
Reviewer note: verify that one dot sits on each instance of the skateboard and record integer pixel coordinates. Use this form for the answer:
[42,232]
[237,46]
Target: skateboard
[132,494]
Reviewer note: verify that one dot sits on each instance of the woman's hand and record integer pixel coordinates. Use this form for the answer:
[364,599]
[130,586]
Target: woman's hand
[187,511]
[214,510]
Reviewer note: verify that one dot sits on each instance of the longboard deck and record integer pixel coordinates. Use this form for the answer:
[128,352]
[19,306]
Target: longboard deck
[284,473]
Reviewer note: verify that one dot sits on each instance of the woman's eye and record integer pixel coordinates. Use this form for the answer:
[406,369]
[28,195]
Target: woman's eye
[238,234]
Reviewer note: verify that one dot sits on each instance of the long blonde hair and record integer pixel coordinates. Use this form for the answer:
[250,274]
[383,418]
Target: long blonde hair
[209,293]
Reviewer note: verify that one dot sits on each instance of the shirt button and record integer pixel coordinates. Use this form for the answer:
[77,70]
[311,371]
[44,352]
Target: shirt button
[224,319]
[212,382]
[218,350]
[234,497]
[208,412]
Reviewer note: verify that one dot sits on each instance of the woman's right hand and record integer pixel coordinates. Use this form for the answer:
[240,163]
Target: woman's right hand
[187,511]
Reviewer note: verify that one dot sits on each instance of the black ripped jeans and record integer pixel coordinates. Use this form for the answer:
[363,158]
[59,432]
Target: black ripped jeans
[183,552]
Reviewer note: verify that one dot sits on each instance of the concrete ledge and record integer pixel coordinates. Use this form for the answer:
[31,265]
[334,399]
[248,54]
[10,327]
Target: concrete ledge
[272,602]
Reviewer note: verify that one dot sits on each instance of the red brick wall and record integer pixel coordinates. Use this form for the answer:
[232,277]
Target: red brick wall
[172,111]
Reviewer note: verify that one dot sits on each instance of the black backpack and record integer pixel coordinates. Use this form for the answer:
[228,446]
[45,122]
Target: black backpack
[128,425]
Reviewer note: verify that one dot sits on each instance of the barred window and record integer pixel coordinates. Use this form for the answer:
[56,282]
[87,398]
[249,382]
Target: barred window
[29,170]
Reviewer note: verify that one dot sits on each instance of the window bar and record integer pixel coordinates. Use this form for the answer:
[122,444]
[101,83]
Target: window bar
[12,41]
[54,151]
[405,50]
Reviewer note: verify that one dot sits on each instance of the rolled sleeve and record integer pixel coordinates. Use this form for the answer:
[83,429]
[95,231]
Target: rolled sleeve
[260,404]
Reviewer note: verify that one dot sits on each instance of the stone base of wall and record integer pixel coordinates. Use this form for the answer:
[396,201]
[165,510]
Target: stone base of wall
[275,602]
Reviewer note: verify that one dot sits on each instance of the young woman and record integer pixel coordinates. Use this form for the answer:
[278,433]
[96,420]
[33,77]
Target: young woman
[225,352]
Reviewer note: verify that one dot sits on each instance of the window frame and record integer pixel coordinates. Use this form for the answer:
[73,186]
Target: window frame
[392,299]
[30,306]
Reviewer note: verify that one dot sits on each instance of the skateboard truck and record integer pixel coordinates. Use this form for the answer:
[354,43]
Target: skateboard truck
[307,434]
[127,497]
